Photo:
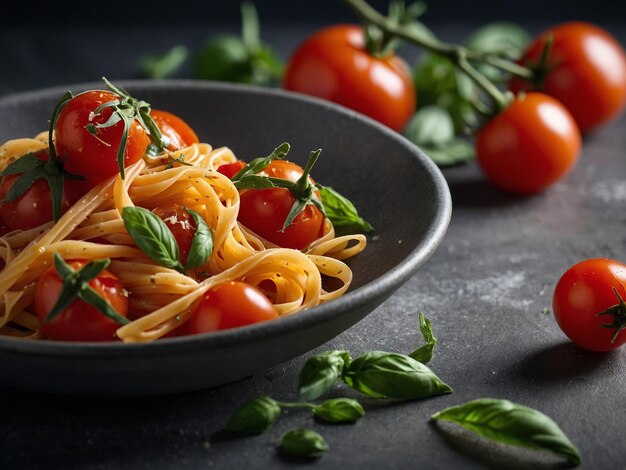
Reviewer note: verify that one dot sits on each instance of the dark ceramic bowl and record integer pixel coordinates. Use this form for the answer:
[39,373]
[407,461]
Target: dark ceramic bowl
[394,185]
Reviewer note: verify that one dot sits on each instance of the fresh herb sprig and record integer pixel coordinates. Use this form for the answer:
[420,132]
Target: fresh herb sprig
[76,286]
[509,423]
[156,240]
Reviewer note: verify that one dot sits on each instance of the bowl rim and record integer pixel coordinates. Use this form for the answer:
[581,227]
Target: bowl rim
[385,284]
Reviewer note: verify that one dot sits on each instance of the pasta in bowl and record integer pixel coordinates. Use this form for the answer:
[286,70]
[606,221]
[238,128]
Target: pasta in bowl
[320,287]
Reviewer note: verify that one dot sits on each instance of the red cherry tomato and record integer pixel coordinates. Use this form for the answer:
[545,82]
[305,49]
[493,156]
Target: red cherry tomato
[181,135]
[231,169]
[585,290]
[264,211]
[230,305]
[528,146]
[80,321]
[586,72]
[182,226]
[95,156]
[34,207]
[333,64]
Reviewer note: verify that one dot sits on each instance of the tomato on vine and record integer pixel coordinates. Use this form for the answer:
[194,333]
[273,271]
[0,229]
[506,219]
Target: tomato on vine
[78,300]
[336,65]
[177,131]
[229,305]
[588,304]
[583,67]
[529,145]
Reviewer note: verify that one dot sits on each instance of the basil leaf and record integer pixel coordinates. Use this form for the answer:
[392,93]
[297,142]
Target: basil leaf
[321,372]
[453,152]
[303,443]
[339,410]
[163,65]
[381,374]
[431,125]
[254,416]
[509,423]
[499,37]
[424,353]
[201,244]
[152,236]
[342,213]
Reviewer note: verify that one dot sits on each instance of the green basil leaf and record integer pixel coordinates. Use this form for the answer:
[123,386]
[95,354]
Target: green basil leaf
[254,416]
[224,58]
[303,443]
[163,65]
[201,244]
[381,374]
[453,152]
[424,353]
[431,125]
[321,372]
[152,236]
[507,38]
[342,213]
[509,423]
[339,410]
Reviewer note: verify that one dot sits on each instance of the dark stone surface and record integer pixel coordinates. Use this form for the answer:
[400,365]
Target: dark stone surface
[484,290]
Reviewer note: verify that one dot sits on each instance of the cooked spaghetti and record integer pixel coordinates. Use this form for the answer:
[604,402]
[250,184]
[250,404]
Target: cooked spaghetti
[160,298]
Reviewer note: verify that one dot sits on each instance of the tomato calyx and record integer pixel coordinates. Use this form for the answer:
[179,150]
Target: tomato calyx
[619,314]
[76,286]
[541,68]
[127,109]
[303,190]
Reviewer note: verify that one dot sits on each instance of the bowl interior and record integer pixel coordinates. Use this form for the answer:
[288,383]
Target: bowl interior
[393,185]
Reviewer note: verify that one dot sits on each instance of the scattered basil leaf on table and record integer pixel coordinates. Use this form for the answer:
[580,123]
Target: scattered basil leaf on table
[254,416]
[158,66]
[303,443]
[424,353]
[152,236]
[509,423]
[201,244]
[342,213]
[339,410]
[382,374]
[321,372]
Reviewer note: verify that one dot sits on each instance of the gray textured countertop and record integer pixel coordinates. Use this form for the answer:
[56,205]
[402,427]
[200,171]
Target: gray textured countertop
[484,289]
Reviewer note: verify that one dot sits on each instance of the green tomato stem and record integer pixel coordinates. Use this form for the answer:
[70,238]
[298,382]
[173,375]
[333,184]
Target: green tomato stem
[455,53]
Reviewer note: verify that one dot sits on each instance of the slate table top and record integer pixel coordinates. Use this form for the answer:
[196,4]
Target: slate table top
[486,290]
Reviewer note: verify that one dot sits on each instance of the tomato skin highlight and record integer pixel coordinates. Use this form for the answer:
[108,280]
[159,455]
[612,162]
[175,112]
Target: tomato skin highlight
[583,291]
[34,207]
[587,72]
[182,226]
[95,157]
[264,211]
[529,146]
[80,321]
[230,305]
[333,64]
[181,135]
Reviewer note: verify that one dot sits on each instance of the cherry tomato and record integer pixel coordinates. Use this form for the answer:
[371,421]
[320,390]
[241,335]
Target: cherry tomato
[333,64]
[231,169]
[584,291]
[95,156]
[34,207]
[80,321]
[528,146]
[230,305]
[174,128]
[264,211]
[182,226]
[586,72]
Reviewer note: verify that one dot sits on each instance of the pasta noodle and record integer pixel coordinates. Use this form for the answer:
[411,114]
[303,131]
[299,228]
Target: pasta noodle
[160,297]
